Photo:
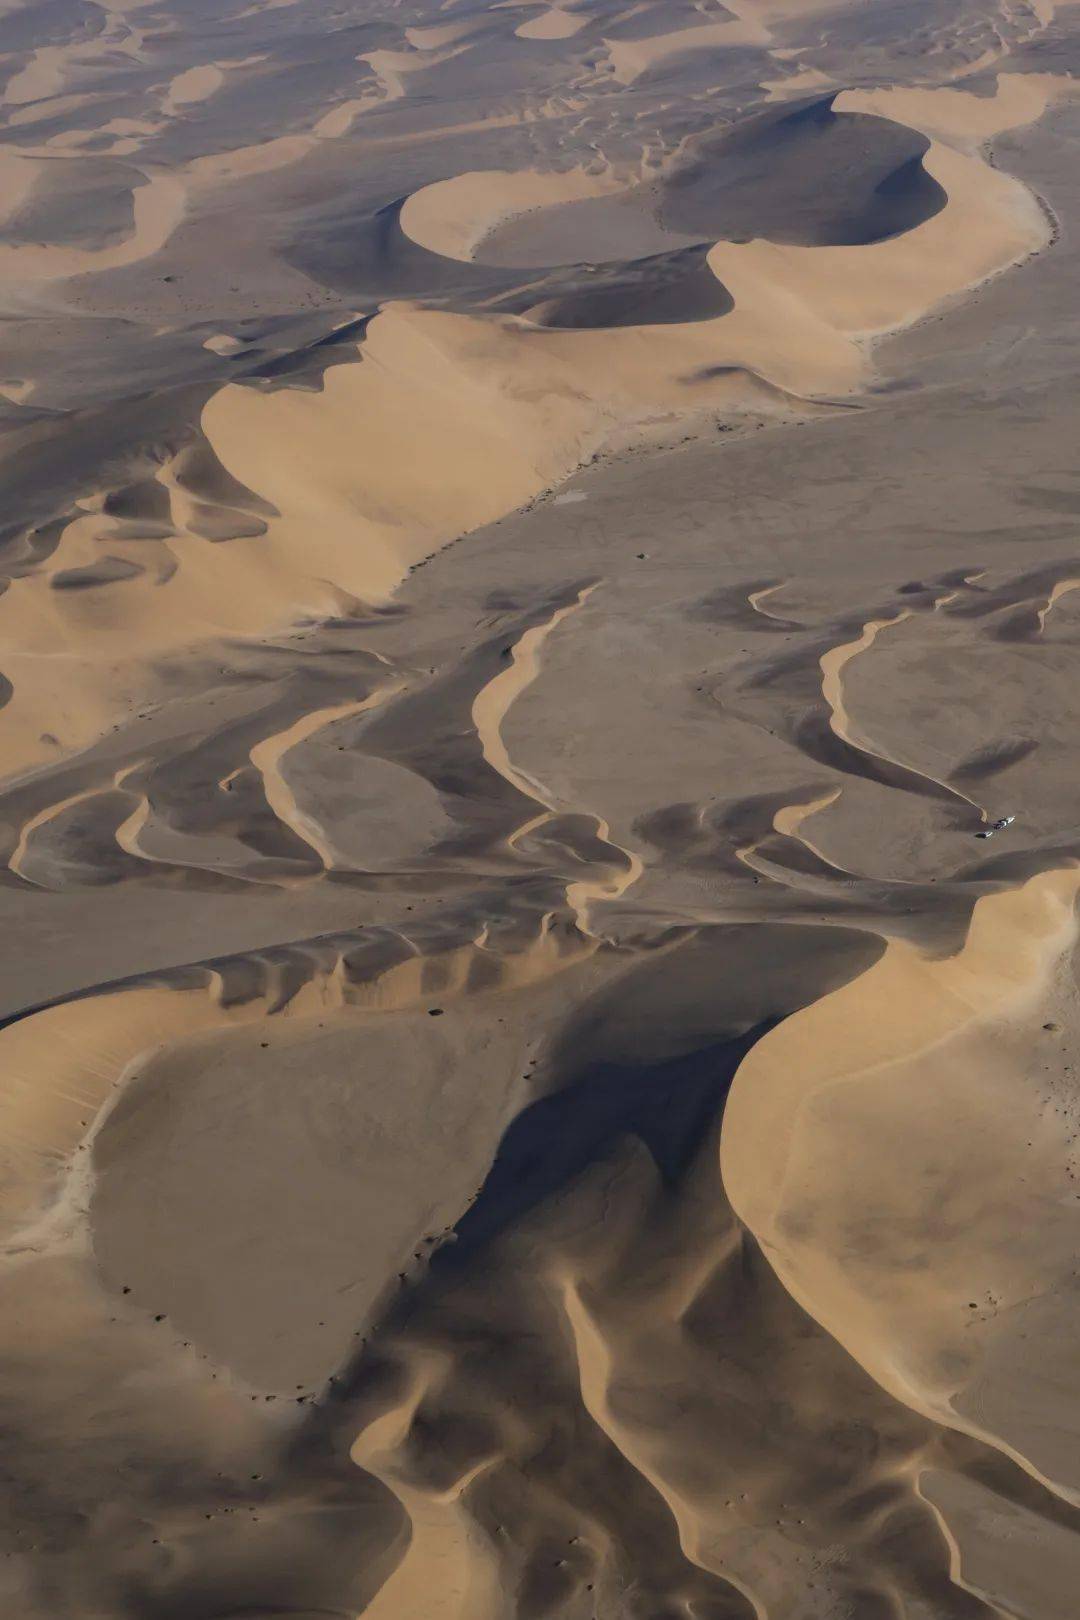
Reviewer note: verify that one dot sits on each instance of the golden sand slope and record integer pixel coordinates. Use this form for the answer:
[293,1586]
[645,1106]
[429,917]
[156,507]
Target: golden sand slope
[489,711]
[1020,98]
[630,58]
[66,1064]
[453,216]
[839,293]
[558,23]
[451,421]
[158,207]
[892,1150]
[538,401]
[448,422]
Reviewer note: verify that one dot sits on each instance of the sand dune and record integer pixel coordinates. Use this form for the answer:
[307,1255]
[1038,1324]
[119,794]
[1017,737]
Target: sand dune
[557,23]
[524,1095]
[193,85]
[536,413]
[158,207]
[989,223]
[909,1016]
[631,58]
[1019,99]
[453,216]
[43,76]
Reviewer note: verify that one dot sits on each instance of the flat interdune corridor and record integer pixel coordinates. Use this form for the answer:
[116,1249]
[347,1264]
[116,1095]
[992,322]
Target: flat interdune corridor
[539,809]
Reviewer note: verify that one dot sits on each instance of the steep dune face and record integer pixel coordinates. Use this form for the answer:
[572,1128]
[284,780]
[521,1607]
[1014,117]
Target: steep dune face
[538,548]
[452,217]
[937,1046]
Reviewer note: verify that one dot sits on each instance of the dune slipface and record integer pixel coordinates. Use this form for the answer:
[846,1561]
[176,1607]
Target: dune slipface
[538,700]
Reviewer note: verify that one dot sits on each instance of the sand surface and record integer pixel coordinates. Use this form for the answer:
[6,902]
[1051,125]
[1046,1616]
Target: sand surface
[538,541]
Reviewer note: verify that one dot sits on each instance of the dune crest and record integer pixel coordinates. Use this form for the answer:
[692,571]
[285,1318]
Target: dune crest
[558,23]
[631,58]
[888,1249]
[1019,99]
[452,217]
[990,222]
[539,552]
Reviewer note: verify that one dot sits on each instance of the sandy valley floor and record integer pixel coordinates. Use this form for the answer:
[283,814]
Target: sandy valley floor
[535,539]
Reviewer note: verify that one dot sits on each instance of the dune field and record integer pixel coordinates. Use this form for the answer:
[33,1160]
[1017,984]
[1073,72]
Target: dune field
[539,813]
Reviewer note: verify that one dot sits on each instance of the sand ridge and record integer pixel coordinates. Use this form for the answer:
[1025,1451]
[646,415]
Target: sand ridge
[524,1093]
[906,1012]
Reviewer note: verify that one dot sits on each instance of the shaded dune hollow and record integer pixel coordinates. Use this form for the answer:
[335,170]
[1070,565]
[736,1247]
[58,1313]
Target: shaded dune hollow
[804,175]
[807,176]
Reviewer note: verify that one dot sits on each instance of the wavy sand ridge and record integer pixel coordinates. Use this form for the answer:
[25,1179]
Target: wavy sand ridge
[839,294]
[659,1353]
[448,1569]
[557,23]
[1061,588]
[788,822]
[1018,99]
[453,216]
[797,322]
[906,1054]
[833,664]
[267,758]
[68,1062]
[539,403]
[417,947]
[158,207]
[793,331]
[490,709]
[492,703]
[632,58]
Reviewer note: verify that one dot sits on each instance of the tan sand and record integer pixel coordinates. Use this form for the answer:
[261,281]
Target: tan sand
[905,1056]
[1062,588]
[804,81]
[393,68]
[540,403]
[990,222]
[194,85]
[159,207]
[339,121]
[1020,98]
[1013,1559]
[493,701]
[832,671]
[630,58]
[267,756]
[43,76]
[449,1570]
[452,217]
[434,39]
[17,176]
[223,343]
[69,1062]
[554,24]
[402,909]
[791,820]
[489,711]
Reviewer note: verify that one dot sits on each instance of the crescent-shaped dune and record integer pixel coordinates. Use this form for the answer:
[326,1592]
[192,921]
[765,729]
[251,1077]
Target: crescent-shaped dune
[538,841]
[452,217]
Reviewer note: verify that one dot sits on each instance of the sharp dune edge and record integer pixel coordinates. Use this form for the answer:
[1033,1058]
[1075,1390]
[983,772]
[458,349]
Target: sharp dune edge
[538,404]
[534,539]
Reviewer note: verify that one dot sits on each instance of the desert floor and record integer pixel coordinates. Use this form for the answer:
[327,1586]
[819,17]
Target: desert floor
[538,542]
